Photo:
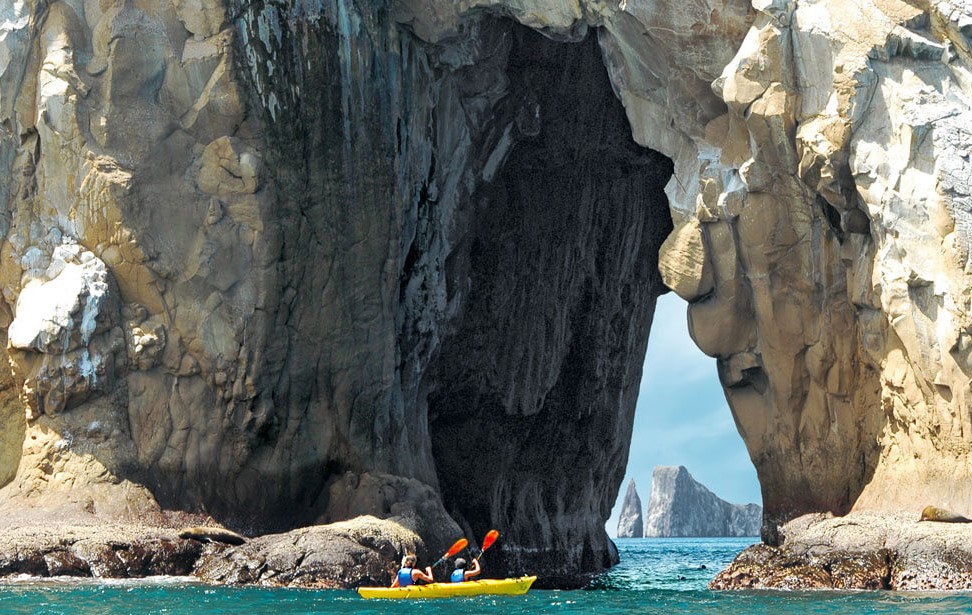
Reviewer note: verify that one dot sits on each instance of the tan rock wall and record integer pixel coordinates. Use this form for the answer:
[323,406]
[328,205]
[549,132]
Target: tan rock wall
[12,436]
[242,358]
[101,129]
[867,288]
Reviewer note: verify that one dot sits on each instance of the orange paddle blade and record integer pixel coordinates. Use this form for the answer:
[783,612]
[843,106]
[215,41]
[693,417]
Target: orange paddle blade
[490,538]
[458,546]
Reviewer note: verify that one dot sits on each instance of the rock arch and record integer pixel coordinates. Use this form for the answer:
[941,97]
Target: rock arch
[288,199]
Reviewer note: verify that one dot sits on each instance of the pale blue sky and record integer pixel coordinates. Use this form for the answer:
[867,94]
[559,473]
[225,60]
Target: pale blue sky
[682,417]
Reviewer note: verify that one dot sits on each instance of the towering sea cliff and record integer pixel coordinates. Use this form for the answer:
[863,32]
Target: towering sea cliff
[289,262]
[310,266]
[631,523]
[681,506]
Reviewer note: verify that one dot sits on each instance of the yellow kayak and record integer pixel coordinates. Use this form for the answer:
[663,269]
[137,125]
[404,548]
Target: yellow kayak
[508,587]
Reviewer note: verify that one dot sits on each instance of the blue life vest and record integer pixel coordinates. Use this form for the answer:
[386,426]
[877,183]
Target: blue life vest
[405,577]
[458,575]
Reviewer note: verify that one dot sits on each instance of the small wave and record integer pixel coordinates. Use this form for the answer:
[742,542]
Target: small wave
[31,580]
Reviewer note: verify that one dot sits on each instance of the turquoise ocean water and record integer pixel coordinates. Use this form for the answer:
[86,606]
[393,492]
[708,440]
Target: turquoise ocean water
[656,576]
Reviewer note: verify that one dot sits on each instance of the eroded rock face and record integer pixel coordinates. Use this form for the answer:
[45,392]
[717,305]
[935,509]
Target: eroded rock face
[834,345]
[108,109]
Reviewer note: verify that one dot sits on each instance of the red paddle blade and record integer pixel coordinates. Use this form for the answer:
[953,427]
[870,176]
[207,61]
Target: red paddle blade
[458,546]
[490,538]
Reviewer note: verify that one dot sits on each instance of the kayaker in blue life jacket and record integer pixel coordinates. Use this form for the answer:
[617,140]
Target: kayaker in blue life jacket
[460,574]
[409,574]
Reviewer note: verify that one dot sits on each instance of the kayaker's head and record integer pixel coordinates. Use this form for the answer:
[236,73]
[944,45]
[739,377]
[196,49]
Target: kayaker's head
[460,563]
[409,561]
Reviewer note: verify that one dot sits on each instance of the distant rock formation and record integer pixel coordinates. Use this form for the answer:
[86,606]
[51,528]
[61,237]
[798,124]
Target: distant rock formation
[681,506]
[631,524]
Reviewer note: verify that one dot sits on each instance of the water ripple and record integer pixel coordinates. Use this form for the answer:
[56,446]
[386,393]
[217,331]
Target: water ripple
[656,577]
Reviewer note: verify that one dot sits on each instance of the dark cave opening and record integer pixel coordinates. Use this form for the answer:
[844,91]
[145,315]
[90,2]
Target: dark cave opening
[532,393]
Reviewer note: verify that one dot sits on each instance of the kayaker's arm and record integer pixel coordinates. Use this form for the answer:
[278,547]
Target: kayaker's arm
[395,582]
[418,575]
[473,571]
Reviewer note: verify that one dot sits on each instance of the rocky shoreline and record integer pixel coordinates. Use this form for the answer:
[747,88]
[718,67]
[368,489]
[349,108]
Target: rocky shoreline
[363,551]
[104,551]
[857,551]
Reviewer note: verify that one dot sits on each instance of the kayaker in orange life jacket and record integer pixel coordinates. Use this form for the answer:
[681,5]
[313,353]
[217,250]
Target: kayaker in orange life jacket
[409,574]
[460,574]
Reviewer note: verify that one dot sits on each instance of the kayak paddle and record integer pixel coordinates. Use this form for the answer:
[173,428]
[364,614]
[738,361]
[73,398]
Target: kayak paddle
[488,541]
[456,547]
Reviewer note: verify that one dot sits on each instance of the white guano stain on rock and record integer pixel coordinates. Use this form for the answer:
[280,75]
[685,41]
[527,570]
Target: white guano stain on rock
[69,297]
